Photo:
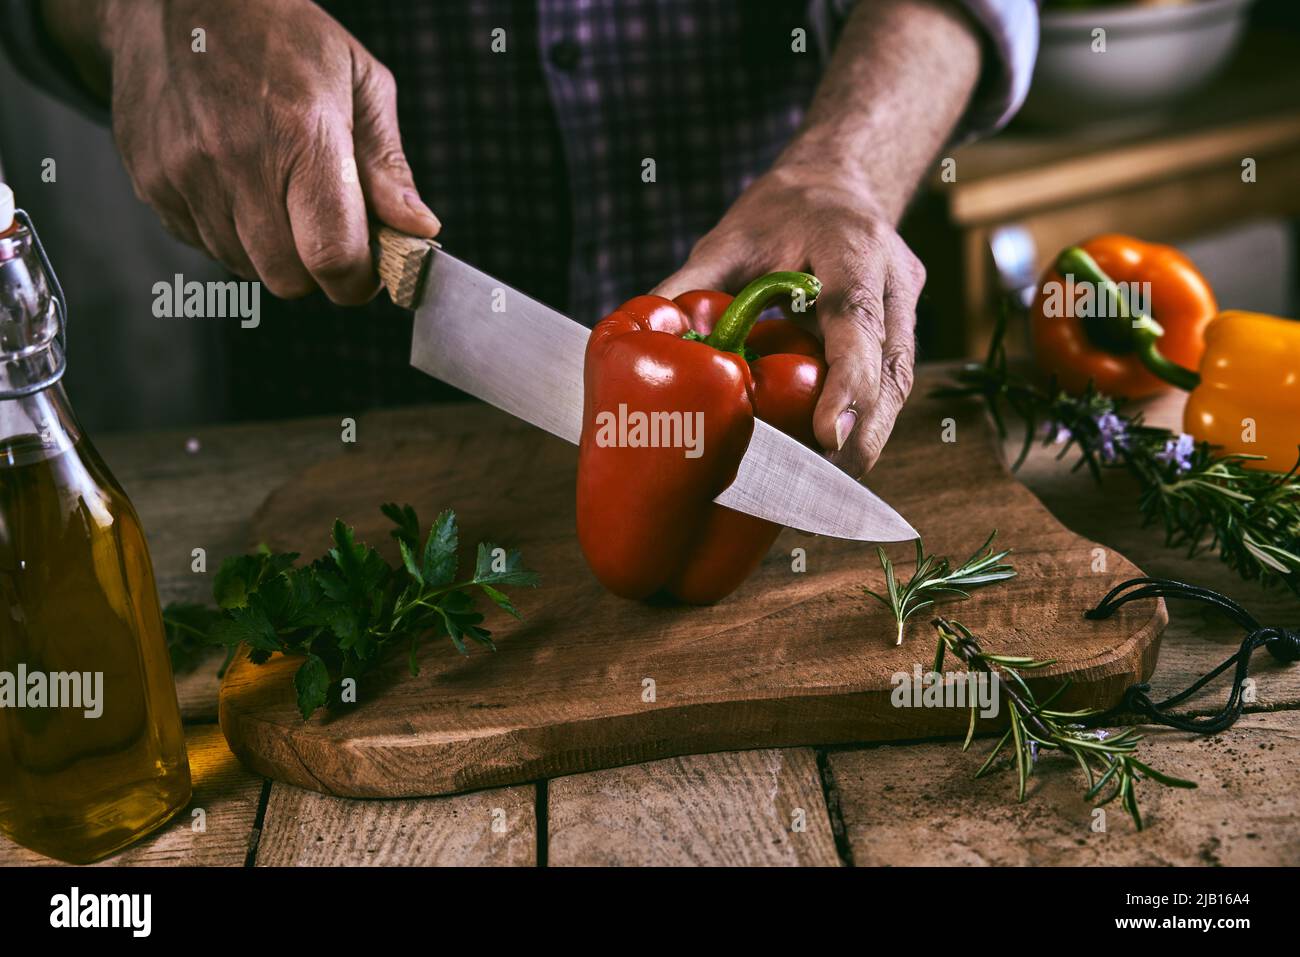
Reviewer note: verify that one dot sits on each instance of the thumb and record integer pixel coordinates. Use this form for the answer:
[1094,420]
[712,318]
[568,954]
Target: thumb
[382,169]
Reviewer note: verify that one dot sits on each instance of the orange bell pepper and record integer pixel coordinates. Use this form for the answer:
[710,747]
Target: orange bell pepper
[1245,398]
[1078,348]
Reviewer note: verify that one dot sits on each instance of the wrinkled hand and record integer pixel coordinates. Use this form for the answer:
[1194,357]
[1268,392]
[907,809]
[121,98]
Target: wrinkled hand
[825,221]
[267,149]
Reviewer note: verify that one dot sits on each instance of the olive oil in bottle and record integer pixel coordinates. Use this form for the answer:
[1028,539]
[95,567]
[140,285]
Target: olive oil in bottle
[92,753]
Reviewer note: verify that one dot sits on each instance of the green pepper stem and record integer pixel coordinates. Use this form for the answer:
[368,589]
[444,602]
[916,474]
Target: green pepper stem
[733,328]
[1139,331]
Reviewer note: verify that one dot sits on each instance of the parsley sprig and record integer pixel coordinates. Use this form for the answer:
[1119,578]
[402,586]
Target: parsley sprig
[349,609]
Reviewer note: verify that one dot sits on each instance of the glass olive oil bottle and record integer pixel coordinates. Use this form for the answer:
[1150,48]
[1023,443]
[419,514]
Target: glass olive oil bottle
[92,754]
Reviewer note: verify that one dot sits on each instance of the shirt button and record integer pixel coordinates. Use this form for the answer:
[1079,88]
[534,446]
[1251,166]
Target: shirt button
[565,54]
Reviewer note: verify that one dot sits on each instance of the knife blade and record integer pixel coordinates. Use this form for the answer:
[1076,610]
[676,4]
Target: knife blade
[479,335]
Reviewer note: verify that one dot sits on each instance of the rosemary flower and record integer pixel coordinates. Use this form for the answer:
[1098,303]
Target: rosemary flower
[1178,452]
[1112,435]
[1057,433]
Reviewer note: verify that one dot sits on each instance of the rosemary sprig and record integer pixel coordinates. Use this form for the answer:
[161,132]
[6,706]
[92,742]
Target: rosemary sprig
[1204,501]
[933,579]
[1108,760]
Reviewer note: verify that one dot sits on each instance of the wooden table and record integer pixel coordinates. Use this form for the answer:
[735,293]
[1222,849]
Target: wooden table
[894,804]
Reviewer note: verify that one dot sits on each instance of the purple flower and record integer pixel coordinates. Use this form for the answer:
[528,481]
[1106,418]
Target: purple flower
[1178,451]
[1112,435]
[1033,752]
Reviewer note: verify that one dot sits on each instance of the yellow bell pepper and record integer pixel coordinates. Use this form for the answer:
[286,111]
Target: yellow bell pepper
[1248,399]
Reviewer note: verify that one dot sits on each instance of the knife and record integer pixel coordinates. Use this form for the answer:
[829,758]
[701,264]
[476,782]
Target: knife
[497,344]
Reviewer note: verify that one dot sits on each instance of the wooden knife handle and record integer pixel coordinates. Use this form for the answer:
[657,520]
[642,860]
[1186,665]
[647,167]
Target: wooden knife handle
[403,262]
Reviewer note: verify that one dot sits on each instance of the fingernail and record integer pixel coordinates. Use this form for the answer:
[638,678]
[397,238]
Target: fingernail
[416,205]
[843,426]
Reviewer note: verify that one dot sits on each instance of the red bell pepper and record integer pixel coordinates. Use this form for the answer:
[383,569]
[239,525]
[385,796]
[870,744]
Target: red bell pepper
[671,391]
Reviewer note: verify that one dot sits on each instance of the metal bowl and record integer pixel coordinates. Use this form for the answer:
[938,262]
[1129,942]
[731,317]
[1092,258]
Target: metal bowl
[1154,57]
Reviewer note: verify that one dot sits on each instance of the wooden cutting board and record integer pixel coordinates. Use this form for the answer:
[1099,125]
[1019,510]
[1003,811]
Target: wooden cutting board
[589,680]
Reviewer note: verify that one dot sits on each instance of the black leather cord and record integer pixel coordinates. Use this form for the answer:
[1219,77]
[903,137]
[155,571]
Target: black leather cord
[1282,643]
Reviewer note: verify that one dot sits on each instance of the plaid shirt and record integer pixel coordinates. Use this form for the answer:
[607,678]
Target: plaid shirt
[533,158]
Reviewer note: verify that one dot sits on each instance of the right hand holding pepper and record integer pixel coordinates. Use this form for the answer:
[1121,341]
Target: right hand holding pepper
[826,220]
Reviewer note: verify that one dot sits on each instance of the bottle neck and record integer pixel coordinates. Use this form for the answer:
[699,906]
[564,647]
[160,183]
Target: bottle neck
[36,421]
[32,355]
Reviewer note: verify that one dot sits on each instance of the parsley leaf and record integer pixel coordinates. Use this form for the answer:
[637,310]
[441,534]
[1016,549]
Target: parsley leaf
[440,562]
[242,574]
[497,566]
[312,682]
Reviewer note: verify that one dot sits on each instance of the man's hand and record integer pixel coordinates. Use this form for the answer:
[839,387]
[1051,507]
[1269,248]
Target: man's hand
[267,149]
[825,221]
[900,79]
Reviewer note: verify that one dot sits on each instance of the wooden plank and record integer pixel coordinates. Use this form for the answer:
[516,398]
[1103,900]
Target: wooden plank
[303,828]
[738,809]
[920,806]
[797,657]
[227,795]
[196,690]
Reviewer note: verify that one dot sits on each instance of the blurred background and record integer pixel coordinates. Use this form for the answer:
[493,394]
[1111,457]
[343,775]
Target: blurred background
[1149,139]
